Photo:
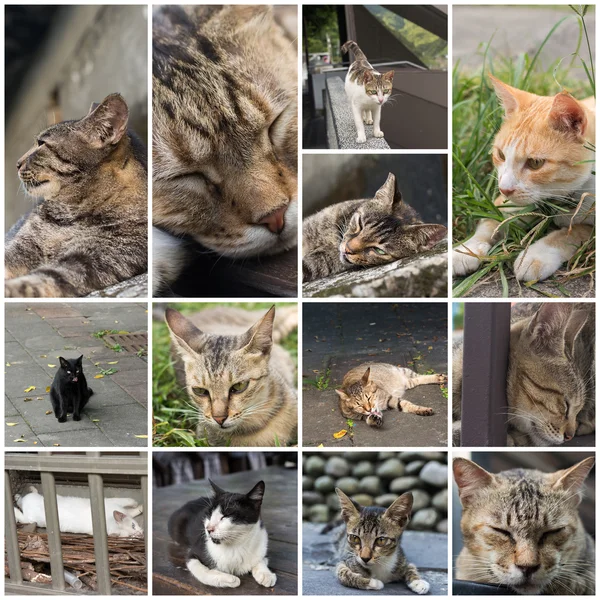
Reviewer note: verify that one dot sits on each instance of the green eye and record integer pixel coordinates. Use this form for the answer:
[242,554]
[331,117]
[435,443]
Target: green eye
[379,251]
[240,387]
[387,91]
[535,163]
[354,539]
[371,92]
[380,541]
[200,391]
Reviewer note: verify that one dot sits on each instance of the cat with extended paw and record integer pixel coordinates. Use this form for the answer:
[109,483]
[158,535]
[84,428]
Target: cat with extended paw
[371,554]
[364,233]
[225,537]
[367,91]
[69,392]
[371,388]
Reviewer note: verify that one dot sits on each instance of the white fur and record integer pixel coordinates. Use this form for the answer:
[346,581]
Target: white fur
[168,259]
[539,261]
[211,576]
[375,584]
[419,586]
[382,567]
[75,514]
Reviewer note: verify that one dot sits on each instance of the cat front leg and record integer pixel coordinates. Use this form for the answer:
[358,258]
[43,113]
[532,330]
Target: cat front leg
[263,575]
[349,578]
[463,261]
[211,577]
[377,122]
[413,580]
[361,136]
[415,409]
[544,257]
[368,117]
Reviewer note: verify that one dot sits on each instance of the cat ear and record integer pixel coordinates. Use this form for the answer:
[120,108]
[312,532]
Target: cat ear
[399,510]
[547,326]
[79,360]
[93,107]
[259,338]
[119,516]
[388,76]
[257,492]
[386,194]
[426,236]
[254,19]
[216,489]
[185,335]
[567,115]
[63,363]
[107,123]
[369,77]
[575,325]
[348,507]
[366,376]
[342,394]
[470,479]
[572,480]
[512,98]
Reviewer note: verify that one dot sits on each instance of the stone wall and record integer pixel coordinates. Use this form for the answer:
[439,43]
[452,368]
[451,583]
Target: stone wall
[377,479]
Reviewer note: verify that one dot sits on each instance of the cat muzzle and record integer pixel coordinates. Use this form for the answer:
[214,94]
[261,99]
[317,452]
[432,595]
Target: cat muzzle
[275,221]
[75,379]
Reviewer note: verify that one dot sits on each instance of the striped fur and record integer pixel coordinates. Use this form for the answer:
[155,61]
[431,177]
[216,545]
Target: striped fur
[91,229]
[225,128]
[364,233]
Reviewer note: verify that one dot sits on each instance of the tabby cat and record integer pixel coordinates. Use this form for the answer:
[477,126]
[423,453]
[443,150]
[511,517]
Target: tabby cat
[371,555]
[364,233]
[551,383]
[521,528]
[367,393]
[240,383]
[225,131]
[542,152]
[367,91]
[90,231]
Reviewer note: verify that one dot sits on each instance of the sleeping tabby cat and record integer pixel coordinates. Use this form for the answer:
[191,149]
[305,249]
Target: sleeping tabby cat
[364,233]
[367,91]
[225,131]
[239,381]
[521,528]
[551,374]
[90,231]
[543,152]
[370,550]
[371,388]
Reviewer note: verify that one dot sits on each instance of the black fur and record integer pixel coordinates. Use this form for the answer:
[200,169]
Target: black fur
[69,392]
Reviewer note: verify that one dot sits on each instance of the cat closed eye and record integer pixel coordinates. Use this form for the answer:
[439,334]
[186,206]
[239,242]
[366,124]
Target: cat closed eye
[547,534]
[535,163]
[240,387]
[503,532]
[200,391]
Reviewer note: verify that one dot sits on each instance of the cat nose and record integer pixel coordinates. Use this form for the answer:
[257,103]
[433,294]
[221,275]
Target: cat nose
[20,163]
[568,437]
[366,559]
[528,570]
[507,191]
[210,528]
[220,420]
[275,221]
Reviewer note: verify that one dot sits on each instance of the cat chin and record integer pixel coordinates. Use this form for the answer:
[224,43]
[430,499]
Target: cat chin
[46,190]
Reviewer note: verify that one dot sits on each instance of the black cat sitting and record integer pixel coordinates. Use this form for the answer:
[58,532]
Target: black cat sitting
[69,392]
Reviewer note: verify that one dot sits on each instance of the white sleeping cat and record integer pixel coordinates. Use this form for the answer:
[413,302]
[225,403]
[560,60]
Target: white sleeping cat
[75,514]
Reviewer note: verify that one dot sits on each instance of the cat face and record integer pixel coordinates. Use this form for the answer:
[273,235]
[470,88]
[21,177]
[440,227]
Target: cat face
[520,525]
[231,515]
[226,376]
[539,151]
[360,396]
[378,87]
[72,368]
[375,235]
[373,533]
[65,154]
[128,527]
[225,129]
[546,389]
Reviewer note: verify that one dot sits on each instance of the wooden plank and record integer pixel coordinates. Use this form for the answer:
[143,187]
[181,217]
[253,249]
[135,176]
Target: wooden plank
[53,530]
[12,540]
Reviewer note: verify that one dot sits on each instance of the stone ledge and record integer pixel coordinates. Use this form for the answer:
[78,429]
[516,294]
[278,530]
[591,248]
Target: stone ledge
[425,276]
[341,131]
[136,287]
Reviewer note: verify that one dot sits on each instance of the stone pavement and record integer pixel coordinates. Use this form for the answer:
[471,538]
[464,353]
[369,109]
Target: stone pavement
[428,551]
[36,334]
[338,337]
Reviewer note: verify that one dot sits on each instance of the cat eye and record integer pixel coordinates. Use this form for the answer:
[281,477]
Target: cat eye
[380,541]
[503,532]
[240,387]
[200,391]
[354,539]
[387,91]
[535,163]
[378,250]
[371,92]
[551,532]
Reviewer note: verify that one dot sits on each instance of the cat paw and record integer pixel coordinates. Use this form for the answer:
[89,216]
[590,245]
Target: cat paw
[538,262]
[62,419]
[361,139]
[226,580]
[265,578]
[424,411]
[464,263]
[378,134]
[375,419]
[442,378]
[375,584]
[28,286]
[419,586]
[76,418]
[368,121]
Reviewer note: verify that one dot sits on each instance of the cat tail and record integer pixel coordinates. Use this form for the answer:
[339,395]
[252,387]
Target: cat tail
[358,53]
[286,320]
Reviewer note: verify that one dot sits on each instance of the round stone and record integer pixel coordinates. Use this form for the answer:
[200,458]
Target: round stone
[363,499]
[333,501]
[307,482]
[414,467]
[404,484]
[390,469]
[324,484]
[370,485]
[442,526]
[363,468]
[337,467]
[315,466]
[311,498]
[421,500]
[348,485]
[385,500]
[440,500]
[424,519]
[319,513]
[381,456]
[435,473]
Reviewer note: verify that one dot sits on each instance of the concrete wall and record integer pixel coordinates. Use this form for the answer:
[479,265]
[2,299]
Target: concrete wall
[91,51]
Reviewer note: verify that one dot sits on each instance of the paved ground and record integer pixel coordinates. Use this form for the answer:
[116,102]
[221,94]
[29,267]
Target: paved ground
[338,337]
[429,551]
[35,336]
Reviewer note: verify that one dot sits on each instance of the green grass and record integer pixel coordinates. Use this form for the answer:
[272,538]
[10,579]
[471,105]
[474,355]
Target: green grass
[173,417]
[476,117]
[321,382]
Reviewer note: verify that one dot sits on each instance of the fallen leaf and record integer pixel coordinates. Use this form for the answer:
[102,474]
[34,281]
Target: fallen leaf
[96,364]
[113,362]
[99,376]
[29,389]
[52,366]
[28,400]
[429,347]
[47,389]
[19,440]
[12,424]
[48,412]
[95,420]
[56,444]
[43,356]
[34,443]
[8,364]
[340,434]
[320,446]
[144,437]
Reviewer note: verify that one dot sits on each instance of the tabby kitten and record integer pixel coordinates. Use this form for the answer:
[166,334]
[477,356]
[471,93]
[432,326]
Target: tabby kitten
[367,91]
[225,130]
[239,381]
[551,382]
[364,233]
[521,528]
[367,393]
[90,231]
[371,555]
[542,152]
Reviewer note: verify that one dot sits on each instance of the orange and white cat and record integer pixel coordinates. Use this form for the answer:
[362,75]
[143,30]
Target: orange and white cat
[541,153]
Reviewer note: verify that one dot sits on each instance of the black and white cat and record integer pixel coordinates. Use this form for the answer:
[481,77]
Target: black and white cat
[69,392]
[225,537]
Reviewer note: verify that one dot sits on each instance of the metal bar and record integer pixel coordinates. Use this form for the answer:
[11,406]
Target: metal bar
[69,463]
[53,531]
[12,539]
[485,363]
[99,528]
[144,482]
